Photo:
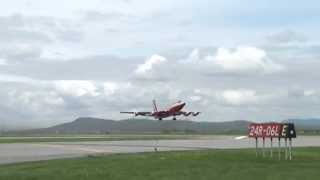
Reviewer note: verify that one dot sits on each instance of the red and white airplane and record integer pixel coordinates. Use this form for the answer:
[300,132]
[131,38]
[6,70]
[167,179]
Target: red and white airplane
[174,110]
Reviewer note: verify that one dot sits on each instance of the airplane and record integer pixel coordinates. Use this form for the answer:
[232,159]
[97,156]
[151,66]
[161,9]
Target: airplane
[174,110]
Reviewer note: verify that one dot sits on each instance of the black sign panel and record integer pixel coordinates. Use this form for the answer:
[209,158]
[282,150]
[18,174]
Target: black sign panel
[288,131]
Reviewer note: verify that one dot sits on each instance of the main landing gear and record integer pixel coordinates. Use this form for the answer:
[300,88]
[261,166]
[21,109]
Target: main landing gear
[174,118]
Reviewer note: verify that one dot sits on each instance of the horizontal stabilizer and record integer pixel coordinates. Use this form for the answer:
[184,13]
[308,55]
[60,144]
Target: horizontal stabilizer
[127,112]
[190,113]
[137,113]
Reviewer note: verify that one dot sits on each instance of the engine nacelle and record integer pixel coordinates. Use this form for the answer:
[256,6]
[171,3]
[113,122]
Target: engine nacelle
[195,113]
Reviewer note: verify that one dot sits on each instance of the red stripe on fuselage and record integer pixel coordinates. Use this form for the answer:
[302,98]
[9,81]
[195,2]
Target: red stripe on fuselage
[176,108]
[170,112]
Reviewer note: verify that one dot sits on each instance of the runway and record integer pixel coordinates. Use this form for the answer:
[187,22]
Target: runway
[22,152]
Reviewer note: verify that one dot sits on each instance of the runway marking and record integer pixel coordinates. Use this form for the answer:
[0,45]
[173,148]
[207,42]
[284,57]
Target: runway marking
[146,146]
[110,151]
[69,147]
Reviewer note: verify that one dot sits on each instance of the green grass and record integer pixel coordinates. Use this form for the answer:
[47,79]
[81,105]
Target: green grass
[193,165]
[90,138]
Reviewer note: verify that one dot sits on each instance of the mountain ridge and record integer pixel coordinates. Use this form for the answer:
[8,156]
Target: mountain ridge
[91,125]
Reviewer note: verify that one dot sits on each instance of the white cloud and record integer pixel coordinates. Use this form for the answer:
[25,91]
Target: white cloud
[15,78]
[235,97]
[301,93]
[239,97]
[110,88]
[195,98]
[193,57]
[38,101]
[309,92]
[53,99]
[230,96]
[287,36]
[152,62]
[20,52]
[3,62]
[76,87]
[244,59]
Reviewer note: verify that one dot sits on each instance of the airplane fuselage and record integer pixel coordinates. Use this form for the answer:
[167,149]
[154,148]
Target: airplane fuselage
[174,109]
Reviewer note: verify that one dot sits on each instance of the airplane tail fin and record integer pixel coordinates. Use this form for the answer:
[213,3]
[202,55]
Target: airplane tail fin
[155,109]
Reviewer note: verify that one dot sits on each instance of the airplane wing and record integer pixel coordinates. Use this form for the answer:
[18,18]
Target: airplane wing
[138,113]
[187,113]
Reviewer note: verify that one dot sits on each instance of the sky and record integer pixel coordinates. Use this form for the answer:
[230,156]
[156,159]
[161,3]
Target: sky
[231,60]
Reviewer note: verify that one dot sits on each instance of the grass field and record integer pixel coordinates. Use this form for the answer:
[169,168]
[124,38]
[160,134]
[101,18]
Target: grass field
[195,165]
[74,138]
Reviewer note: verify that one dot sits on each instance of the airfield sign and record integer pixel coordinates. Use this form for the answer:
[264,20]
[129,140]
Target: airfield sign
[273,131]
[265,130]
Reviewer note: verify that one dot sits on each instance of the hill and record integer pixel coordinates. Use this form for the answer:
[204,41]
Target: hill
[88,125]
[310,124]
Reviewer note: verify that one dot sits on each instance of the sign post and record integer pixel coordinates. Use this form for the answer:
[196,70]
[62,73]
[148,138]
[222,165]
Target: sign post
[279,148]
[263,147]
[286,148]
[256,146]
[273,130]
[271,148]
[290,149]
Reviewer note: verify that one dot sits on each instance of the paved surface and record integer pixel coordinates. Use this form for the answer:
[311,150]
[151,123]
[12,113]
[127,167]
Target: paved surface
[21,152]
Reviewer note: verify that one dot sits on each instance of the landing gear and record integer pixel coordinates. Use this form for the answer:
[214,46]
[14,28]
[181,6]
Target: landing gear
[160,119]
[174,118]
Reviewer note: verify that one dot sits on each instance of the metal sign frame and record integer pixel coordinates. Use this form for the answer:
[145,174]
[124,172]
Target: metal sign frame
[272,131]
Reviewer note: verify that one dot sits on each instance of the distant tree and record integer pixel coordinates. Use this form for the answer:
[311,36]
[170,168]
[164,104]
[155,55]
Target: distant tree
[166,131]
[190,131]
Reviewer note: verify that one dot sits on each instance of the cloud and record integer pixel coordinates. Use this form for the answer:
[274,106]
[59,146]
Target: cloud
[97,16]
[24,36]
[20,52]
[195,98]
[285,37]
[236,97]
[30,98]
[110,88]
[244,59]
[76,87]
[3,62]
[150,64]
[29,105]
[303,93]
[39,30]
[25,99]
[16,78]
[36,37]
[70,35]
[193,57]
[239,97]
